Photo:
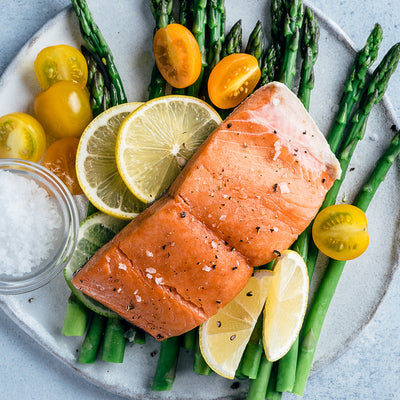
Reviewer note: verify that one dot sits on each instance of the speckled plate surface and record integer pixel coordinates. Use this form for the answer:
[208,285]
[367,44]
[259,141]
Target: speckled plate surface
[127,26]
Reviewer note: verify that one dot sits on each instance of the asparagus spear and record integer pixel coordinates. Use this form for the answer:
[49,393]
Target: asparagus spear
[304,245]
[96,43]
[255,45]
[76,318]
[354,86]
[372,96]
[165,372]
[233,40]
[198,30]
[114,341]
[268,65]
[162,10]
[258,386]
[92,341]
[286,371]
[184,13]
[200,366]
[189,340]
[252,355]
[293,21]
[215,24]
[273,393]
[309,52]
[277,23]
[98,83]
[326,290]
[140,336]
[215,32]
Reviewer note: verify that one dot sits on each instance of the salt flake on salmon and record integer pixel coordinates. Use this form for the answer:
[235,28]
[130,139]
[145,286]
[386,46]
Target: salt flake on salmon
[252,187]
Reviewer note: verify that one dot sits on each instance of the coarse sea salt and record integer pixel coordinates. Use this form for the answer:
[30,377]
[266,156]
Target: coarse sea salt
[29,225]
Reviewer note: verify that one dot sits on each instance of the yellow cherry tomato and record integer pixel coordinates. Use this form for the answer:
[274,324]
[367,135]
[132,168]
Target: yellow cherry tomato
[233,79]
[58,63]
[21,136]
[60,159]
[341,232]
[63,109]
[177,55]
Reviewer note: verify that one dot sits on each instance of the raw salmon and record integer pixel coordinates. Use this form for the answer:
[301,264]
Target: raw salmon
[252,187]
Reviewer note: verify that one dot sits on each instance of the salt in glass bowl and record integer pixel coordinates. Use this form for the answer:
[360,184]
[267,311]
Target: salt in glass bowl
[67,232]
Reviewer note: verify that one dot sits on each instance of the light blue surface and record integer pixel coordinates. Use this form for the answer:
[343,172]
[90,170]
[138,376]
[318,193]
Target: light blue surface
[370,369]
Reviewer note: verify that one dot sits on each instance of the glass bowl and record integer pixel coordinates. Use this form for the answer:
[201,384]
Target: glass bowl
[63,238]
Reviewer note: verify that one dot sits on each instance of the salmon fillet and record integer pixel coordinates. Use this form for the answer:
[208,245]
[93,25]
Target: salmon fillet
[252,187]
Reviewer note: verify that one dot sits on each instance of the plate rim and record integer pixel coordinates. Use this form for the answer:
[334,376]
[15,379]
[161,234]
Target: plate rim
[343,37]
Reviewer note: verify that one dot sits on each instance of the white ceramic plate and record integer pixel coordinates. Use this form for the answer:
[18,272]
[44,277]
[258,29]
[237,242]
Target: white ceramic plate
[127,26]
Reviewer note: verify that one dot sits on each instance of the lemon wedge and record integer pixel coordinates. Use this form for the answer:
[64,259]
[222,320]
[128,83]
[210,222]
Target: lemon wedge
[156,140]
[96,166]
[286,304]
[224,336]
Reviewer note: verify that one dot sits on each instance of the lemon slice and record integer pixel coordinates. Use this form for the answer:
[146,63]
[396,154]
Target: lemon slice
[285,305]
[224,336]
[155,142]
[96,167]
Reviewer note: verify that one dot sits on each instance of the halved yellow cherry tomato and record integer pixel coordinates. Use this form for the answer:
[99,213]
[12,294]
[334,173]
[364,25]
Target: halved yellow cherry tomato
[177,55]
[233,79]
[63,109]
[341,232]
[60,159]
[58,63]
[21,136]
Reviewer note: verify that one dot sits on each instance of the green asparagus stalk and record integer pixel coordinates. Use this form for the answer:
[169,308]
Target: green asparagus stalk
[268,65]
[326,290]
[215,24]
[354,86]
[309,53]
[114,341]
[258,386]
[91,344]
[199,32]
[372,96]
[286,370]
[277,24]
[189,340]
[215,32]
[165,372]
[273,393]
[76,318]
[364,59]
[256,43]
[184,13]
[252,355]
[199,365]
[293,21]
[161,10]
[97,45]
[140,336]
[233,40]
[98,83]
